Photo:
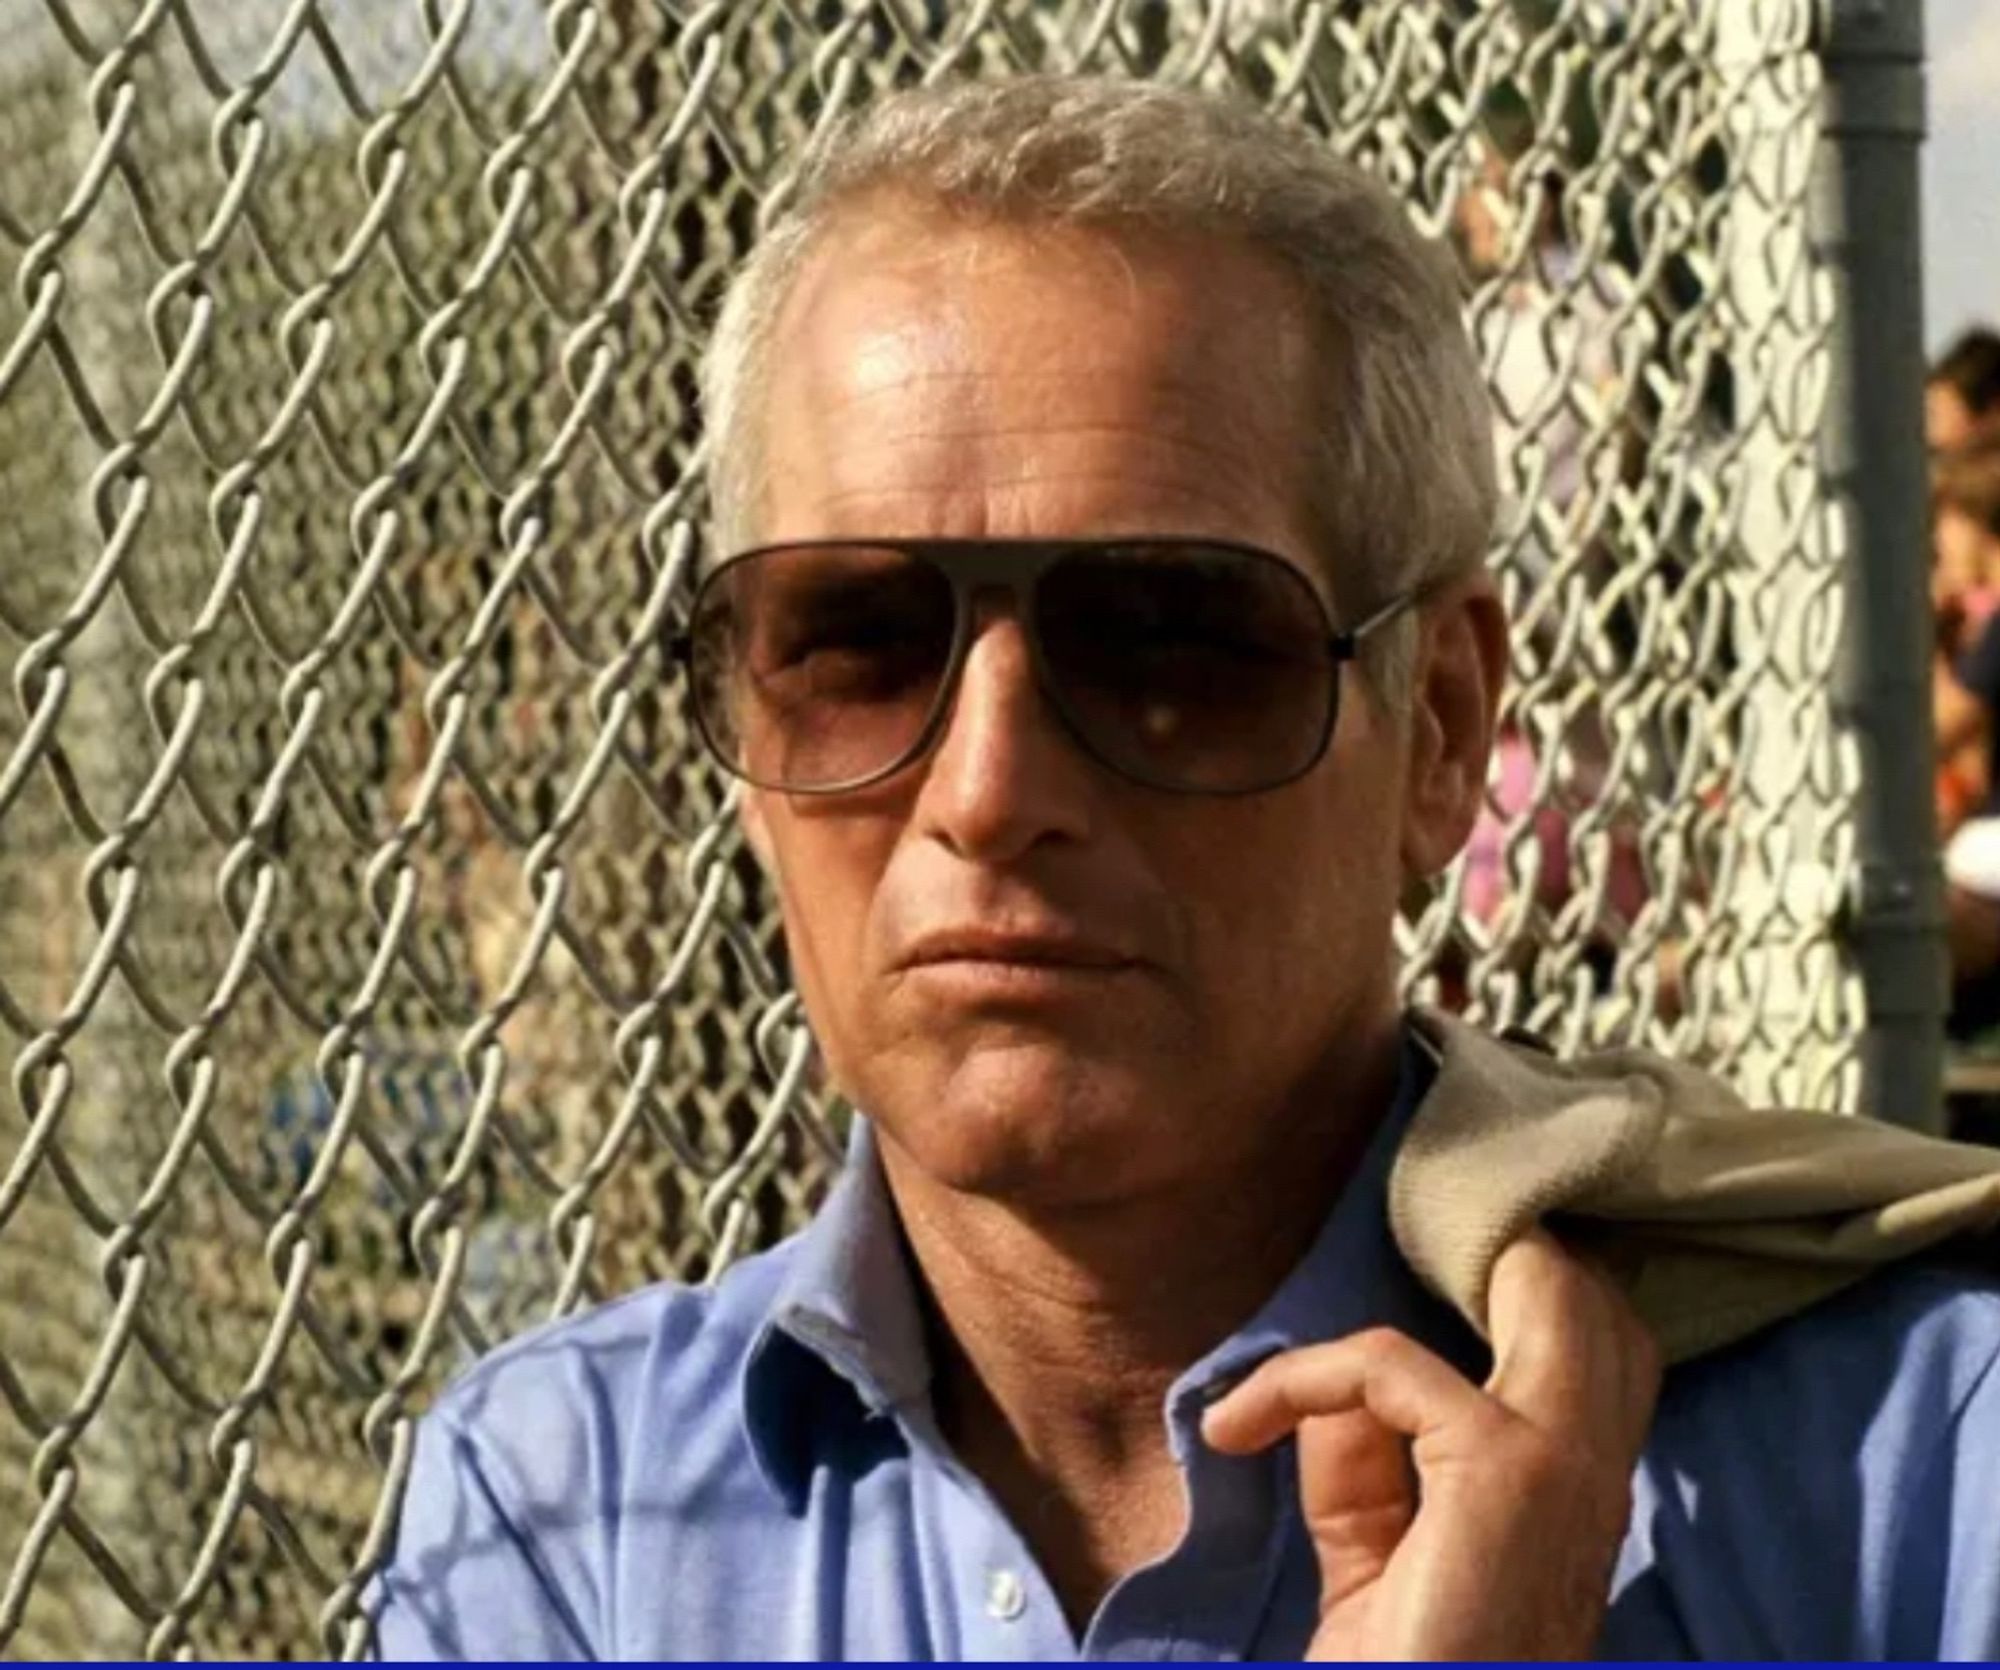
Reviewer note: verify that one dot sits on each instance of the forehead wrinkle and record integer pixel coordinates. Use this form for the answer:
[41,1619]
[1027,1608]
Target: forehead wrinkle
[997,418]
[888,439]
[1028,436]
[1131,465]
[930,491]
[1171,401]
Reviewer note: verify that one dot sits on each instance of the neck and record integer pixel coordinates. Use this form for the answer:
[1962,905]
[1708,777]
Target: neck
[1057,1329]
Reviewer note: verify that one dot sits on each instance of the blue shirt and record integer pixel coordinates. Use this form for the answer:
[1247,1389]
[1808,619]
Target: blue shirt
[752,1471]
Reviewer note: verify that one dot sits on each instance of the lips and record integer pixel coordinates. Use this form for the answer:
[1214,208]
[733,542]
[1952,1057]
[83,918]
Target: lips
[1053,950]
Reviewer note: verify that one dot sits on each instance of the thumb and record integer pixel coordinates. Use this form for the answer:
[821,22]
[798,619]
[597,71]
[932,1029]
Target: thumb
[1357,1495]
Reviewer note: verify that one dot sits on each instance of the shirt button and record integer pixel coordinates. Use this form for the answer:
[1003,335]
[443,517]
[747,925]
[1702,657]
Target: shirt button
[1006,1596]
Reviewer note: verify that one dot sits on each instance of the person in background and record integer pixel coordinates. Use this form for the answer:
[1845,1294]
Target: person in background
[1965,595]
[1962,397]
[1965,560]
[1544,329]
[1965,588]
[1962,430]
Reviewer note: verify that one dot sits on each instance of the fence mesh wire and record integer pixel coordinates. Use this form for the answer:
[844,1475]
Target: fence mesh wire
[380,971]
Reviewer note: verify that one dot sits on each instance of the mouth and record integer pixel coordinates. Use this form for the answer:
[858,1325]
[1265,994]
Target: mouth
[1052,955]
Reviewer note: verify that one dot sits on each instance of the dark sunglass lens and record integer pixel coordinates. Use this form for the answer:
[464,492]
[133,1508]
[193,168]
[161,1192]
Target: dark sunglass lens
[1193,667]
[819,666]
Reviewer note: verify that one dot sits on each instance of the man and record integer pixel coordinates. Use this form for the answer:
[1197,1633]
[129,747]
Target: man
[1105,640]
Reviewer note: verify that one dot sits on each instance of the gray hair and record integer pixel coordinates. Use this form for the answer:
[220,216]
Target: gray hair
[1401,488]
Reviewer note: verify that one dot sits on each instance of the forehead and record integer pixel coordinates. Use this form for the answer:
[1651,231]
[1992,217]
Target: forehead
[941,374]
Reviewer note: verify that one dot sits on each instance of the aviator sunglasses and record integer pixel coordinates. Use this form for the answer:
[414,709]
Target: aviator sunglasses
[1194,666]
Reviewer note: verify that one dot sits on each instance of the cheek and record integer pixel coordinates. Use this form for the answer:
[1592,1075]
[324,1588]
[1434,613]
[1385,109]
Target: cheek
[829,873]
[1295,899]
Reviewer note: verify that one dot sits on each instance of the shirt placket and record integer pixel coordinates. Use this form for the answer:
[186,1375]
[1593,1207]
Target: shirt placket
[1002,1605]
[1205,1600]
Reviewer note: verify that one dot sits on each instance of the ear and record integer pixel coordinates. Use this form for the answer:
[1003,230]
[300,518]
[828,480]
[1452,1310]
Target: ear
[1461,664]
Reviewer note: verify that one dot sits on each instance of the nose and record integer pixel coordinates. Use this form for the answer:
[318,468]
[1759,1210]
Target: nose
[1005,776]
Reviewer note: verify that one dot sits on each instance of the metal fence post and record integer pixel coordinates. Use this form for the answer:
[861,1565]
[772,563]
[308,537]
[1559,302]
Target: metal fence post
[1866,225]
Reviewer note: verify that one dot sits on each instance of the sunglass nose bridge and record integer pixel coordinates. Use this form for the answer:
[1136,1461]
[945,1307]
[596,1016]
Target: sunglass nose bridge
[997,610]
[989,600]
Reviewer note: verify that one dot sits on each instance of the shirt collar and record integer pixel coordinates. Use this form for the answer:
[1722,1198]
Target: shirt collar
[1352,1277]
[844,1334]
[843,1328]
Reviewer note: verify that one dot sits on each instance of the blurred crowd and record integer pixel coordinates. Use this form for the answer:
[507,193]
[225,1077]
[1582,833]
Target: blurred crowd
[1962,429]
[1544,325]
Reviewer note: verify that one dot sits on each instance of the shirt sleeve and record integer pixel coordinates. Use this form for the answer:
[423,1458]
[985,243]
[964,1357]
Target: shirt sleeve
[1969,1465]
[1978,669]
[464,1582]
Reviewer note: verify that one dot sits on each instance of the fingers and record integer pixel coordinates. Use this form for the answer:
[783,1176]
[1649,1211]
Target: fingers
[1356,1488]
[1358,1495]
[1451,1519]
[1405,1387]
[1366,1465]
[1569,1352]
[1538,1310]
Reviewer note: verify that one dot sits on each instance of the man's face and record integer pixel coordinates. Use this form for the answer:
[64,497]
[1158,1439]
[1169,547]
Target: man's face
[1039,980]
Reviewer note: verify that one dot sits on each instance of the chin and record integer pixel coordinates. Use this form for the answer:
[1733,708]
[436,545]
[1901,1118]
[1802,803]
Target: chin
[1023,1119]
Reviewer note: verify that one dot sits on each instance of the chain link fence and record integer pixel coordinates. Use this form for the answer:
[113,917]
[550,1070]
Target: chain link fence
[380,971]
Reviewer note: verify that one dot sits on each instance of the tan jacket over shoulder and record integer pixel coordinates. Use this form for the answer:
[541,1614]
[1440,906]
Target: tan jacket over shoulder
[1717,1217]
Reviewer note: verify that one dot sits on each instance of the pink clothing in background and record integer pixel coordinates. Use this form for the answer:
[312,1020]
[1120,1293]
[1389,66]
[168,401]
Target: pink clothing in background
[1511,793]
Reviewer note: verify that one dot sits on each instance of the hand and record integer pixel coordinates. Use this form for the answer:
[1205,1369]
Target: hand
[1451,1520]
